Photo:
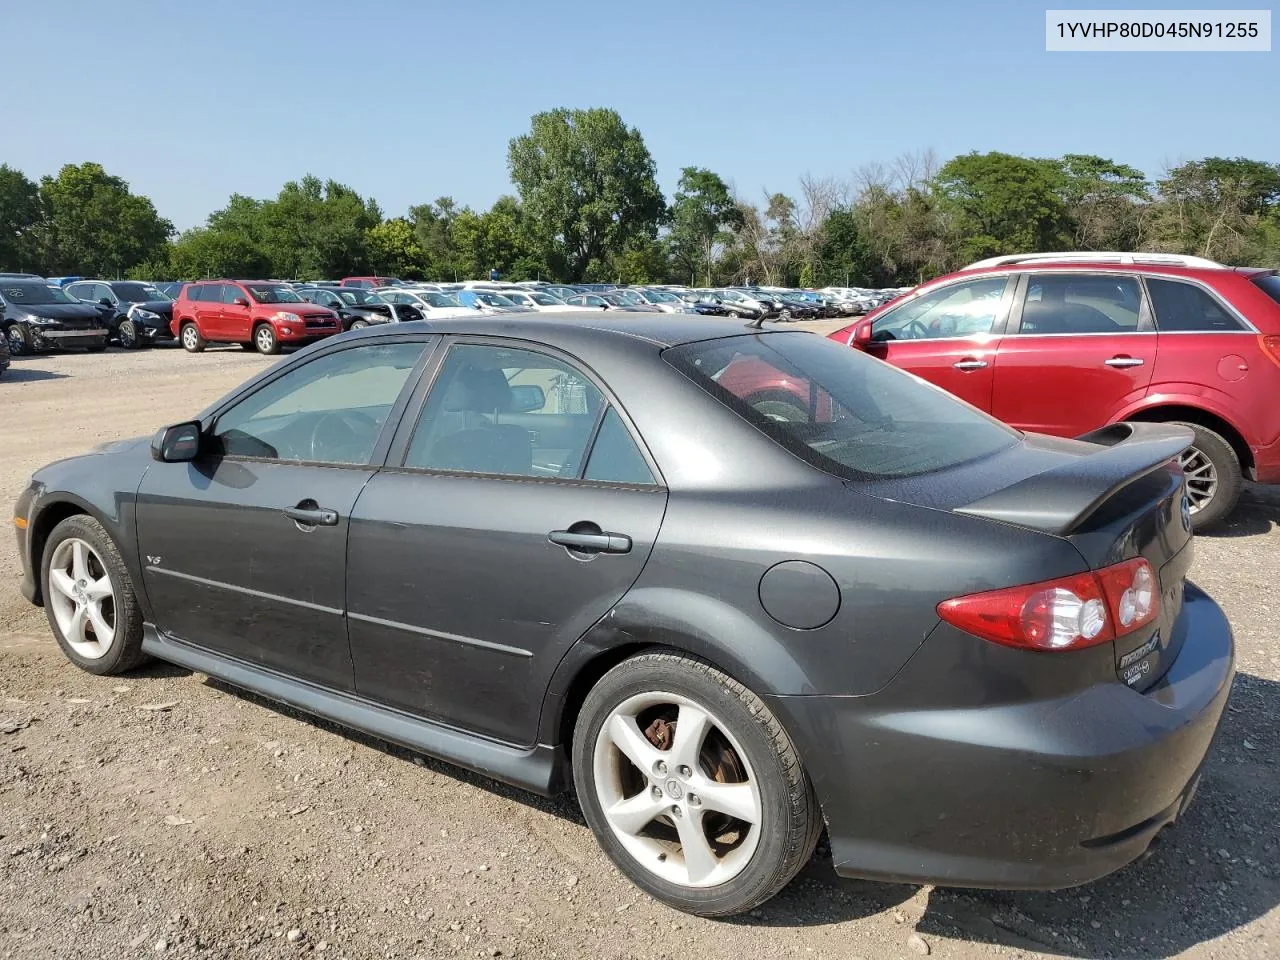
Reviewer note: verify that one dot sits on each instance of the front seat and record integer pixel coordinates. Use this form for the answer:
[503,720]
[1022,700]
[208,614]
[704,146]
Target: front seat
[481,445]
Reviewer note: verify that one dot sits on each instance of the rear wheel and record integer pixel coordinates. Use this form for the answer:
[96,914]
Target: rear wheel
[691,785]
[192,342]
[264,338]
[1214,477]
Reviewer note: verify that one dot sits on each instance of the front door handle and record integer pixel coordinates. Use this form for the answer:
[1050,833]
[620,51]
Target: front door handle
[585,542]
[1123,362]
[309,514]
[969,364]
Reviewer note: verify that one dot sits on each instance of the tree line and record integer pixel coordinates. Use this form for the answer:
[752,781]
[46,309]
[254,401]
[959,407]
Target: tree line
[587,207]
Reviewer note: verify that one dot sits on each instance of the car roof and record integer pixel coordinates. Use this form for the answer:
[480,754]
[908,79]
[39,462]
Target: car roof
[658,329]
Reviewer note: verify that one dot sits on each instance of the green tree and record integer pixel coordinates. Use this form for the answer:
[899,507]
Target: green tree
[843,257]
[1105,201]
[704,217]
[95,226]
[20,217]
[213,252]
[997,203]
[394,250]
[1217,207]
[433,228]
[586,182]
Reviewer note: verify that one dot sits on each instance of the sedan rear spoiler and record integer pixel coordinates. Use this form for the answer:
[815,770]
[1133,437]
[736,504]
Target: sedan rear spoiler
[1061,499]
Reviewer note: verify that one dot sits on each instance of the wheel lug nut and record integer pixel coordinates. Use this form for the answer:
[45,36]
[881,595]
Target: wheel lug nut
[694,800]
[656,791]
[677,812]
[685,771]
[660,767]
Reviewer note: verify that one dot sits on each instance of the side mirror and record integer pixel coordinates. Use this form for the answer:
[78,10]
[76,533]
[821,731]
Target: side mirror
[176,444]
[527,397]
[241,302]
[106,302]
[862,335]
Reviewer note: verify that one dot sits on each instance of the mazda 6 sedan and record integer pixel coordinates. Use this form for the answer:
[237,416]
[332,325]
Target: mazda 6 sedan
[733,585]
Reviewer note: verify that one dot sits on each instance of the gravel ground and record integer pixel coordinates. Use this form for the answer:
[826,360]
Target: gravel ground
[163,813]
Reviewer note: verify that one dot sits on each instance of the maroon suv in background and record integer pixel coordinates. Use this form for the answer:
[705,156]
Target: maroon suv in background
[253,313]
[1066,343]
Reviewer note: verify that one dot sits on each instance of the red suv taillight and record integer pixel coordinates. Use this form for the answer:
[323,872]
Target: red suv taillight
[1069,613]
[1271,347]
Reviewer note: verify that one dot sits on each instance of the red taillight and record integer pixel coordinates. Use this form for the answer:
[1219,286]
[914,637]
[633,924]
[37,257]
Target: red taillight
[1065,614]
[1271,347]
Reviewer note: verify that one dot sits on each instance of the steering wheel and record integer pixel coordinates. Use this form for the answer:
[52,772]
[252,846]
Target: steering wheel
[915,330]
[337,429]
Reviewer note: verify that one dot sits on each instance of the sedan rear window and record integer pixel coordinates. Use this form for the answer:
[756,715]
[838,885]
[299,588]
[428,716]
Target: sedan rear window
[840,409]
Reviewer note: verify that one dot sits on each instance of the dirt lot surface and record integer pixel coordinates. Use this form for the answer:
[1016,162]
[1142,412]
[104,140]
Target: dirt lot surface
[162,814]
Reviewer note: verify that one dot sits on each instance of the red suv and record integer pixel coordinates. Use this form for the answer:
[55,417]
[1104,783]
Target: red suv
[1066,343]
[248,312]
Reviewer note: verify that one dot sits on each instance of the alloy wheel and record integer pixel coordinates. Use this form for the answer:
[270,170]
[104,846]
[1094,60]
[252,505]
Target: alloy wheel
[127,335]
[190,336]
[17,342]
[677,790]
[265,339]
[82,597]
[1201,476]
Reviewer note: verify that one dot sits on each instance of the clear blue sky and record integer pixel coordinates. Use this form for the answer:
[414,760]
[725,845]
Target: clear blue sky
[191,100]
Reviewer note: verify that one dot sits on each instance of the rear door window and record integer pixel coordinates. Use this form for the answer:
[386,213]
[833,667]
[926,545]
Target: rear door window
[1188,308]
[1072,303]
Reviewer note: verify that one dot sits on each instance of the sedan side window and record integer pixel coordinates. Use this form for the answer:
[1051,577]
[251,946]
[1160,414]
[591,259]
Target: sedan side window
[1185,307]
[614,456]
[329,410]
[956,310]
[496,410]
[1081,303]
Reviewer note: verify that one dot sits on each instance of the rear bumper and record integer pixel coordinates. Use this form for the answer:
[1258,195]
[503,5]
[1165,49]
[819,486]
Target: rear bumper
[1012,793]
[1266,463]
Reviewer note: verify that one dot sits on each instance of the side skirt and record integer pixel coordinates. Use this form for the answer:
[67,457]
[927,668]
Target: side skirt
[541,769]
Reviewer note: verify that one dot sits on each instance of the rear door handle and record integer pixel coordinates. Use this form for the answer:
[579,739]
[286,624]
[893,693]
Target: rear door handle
[591,542]
[1124,362]
[312,516]
[969,364]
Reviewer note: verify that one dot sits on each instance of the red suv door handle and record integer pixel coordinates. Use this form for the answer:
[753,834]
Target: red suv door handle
[1123,361]
[969,363]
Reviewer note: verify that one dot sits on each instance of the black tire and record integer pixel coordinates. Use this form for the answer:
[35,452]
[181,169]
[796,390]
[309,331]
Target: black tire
[19,339]
[265,340]
[125,651]
[127,335]
[358,324]
[790,817]
[190,338]
[1225,469]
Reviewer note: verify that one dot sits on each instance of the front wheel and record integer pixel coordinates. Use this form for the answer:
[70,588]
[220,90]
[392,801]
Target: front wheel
[127,334]
[89,598]
[19,340]
[359,324]
[264,338]
[691,785]
[1213,475]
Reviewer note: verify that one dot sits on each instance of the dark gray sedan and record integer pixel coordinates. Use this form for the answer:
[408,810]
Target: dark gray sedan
[732,584]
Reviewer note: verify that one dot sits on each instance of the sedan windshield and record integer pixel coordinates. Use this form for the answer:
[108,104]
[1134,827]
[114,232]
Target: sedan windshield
[356,296]
[34,291]
[660,296]
[439,299]
[494,300]
[137,292]
[546,300]
[842,410]
[272,293]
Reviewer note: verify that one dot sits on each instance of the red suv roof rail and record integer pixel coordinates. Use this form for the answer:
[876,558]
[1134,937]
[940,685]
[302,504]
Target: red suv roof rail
[1102,256]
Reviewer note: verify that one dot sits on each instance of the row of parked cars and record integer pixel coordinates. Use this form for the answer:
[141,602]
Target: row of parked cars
[267,314]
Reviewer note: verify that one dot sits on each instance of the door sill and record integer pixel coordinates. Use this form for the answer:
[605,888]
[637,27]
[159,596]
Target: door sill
[540,769]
